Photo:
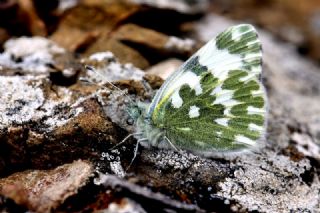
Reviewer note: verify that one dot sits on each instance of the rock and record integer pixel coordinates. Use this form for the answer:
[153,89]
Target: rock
[49,118]
[158,42]
[155,199]
[124,205]
[76,34]
[20,18]
[3,36]
[44,191]
[306,145]
[283,21]
[110,69]
[8,205]
[124,53]
[37,112]
[165,68]
[75,29]
[30,54]
[182,6]
[127,41]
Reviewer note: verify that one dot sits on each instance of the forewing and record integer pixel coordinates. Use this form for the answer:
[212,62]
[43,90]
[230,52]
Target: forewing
[215,101]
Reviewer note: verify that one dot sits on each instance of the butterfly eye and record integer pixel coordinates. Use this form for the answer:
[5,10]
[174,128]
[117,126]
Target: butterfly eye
[130,121]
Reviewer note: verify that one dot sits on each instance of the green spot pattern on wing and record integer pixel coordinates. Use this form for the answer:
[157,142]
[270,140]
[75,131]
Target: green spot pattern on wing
[202,133]
[215,101]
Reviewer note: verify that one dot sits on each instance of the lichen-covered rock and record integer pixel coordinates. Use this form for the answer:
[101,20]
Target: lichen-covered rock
[37,112]
[110,69]
[30,54]
[49,118]
[43,191]
[165,68]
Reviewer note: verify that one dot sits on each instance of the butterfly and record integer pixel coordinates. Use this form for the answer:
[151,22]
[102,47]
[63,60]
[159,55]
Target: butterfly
[214,103]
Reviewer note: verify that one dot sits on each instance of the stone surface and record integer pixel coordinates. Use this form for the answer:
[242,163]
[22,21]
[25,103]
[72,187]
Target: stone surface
[182,6]
[43,191]
[49,119]
[30,54]
[296,22]
[165,68]
[36,112]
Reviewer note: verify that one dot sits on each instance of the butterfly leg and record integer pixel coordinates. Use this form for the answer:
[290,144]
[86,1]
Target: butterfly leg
[125,139]
[136,151]
[171,144]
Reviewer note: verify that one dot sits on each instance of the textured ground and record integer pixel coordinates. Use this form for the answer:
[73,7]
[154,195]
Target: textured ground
[56,131]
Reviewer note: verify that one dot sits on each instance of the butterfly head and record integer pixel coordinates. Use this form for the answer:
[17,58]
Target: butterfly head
[143,124]
[138,116]
[134,112]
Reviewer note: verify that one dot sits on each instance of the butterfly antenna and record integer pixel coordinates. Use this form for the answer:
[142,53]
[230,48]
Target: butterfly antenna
[91,69]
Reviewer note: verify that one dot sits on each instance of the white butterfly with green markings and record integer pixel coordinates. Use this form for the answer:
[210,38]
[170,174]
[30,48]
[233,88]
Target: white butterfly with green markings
[215,102]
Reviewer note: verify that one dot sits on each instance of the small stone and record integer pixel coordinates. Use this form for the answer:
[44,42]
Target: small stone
[165,68]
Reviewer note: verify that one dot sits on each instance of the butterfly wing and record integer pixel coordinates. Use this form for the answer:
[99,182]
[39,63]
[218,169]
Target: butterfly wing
[215,100]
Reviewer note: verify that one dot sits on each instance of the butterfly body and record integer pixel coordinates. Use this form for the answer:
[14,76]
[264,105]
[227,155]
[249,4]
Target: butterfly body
[214,102]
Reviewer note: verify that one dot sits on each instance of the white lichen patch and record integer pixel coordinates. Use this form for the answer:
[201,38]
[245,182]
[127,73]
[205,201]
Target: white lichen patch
[178,161]
[110,69]
[117,169]
[19,100]
[178,44]
[271,185]
[101,56]
[29,54]
[56,121]
[23,100]
[114,161]
[125,205]
[306,145]
[67,4]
